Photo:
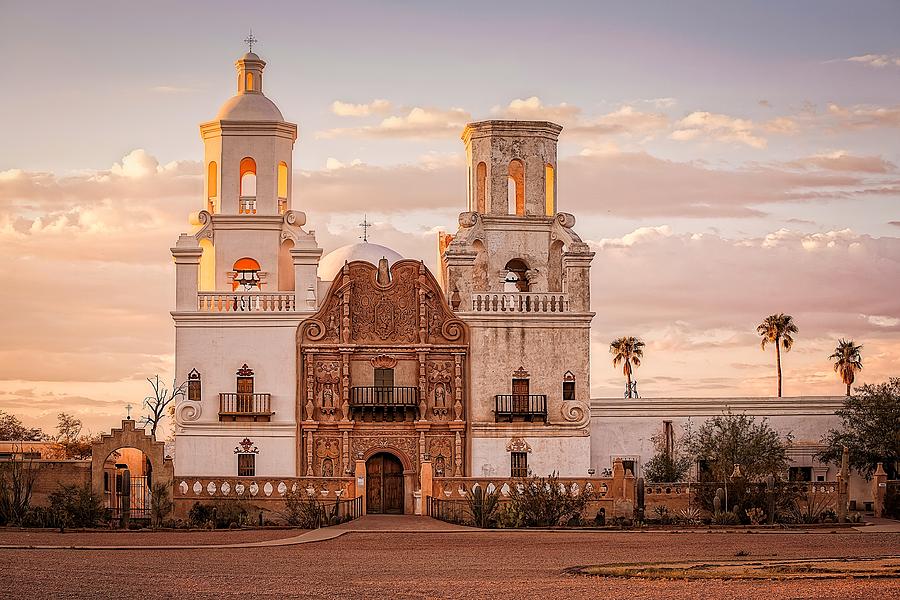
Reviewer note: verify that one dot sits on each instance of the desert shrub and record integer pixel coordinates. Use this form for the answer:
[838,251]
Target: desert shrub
[483,506]
[230,513]
[661,514]
[16,482]
[545,502]
[756,516]
[725,518]
[160,503]
[201,515]
[76,506]
[39,516]
[600,517]
[690,516]
[509,516]
[302,510]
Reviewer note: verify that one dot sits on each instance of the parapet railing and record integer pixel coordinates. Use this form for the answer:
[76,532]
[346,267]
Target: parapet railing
[527,406]
[237,302]
[521,302]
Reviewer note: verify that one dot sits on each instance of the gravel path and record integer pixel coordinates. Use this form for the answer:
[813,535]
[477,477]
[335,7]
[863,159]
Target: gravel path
[141,538]
[437,565]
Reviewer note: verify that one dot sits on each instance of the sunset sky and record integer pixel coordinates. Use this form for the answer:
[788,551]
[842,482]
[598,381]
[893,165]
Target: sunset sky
[724,161]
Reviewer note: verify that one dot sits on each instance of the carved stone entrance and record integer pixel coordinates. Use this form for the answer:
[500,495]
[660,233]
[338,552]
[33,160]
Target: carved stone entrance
[384,484]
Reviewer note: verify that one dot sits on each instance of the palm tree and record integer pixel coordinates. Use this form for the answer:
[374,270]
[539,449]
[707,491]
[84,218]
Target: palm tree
[778,330]
[847,361]
[628,350]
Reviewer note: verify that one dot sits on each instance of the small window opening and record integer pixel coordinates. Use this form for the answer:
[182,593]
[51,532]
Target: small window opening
[516,187]
[246,465]
[568,386]
[194,386]
[550,190]
[480,187]
[247,186]
[249,82]
[518,464]
[516,276]
[212,185]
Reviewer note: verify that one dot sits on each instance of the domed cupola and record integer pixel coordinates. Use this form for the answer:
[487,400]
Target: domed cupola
[248,149]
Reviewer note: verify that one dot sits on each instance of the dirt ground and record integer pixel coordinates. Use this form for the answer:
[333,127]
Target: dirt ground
[434,565]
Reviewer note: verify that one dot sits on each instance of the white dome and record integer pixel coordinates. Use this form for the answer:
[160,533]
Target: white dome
[249,107]
[332,263]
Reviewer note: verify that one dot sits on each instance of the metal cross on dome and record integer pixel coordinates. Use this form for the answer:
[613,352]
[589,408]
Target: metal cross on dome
[250,40]
[365,227]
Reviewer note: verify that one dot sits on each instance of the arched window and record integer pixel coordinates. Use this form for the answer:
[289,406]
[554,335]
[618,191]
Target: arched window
[549,184]
[248,186]
[246,275]
[249,86]
[516,188]
[516,276]
[207,266]
[282,186]
[568,388]
[193,391]
[480,183]
[212,185]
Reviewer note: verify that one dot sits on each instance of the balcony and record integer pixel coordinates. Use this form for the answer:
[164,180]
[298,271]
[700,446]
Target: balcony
[384,403]
[244,407]
[521,302]
[245,302]
[529,408]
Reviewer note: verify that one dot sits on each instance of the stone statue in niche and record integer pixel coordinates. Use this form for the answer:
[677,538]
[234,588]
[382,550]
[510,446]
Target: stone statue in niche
[439,377]
[440,466]
[328,399]
[440,397]
[327,468]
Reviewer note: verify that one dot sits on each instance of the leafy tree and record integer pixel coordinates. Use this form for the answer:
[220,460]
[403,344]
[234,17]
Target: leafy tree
[157,403]
[778,330]
[729,439]
[870,428]
[629,351]
[670,463]
[11,428]
[72,443]
[847,361]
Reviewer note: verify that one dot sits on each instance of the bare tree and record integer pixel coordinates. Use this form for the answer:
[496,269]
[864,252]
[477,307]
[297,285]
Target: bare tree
[157,403]
[16,483]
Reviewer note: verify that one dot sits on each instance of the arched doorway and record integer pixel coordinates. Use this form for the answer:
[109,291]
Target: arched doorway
[384,484]
[127,483]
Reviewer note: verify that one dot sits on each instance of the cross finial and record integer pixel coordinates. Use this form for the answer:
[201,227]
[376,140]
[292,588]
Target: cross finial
[250,40]
[365,227]
[128,407]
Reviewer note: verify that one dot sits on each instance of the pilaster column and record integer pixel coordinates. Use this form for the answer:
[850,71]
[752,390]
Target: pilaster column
[187,253]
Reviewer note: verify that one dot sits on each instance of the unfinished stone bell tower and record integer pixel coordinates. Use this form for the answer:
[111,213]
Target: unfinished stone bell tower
[518,274]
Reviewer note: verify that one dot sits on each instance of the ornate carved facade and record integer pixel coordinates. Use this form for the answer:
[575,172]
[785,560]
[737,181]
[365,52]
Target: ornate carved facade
[382,368]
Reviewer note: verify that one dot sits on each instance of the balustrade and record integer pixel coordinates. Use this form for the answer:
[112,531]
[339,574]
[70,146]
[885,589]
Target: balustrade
[521,302]
[233,405]
[245,302]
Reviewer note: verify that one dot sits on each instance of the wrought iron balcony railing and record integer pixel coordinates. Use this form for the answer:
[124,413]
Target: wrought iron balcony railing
[384,397]
[529,407]
[240,406]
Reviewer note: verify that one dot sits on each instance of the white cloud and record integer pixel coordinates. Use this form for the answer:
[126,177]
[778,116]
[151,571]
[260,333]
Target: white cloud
[377,106]
[418,122]
[717,127]
[882,321]
[534,109]
[876,60]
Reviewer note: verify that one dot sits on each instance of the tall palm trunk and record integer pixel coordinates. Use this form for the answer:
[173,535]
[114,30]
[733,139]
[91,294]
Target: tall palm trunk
[628,376]
[848,390]
[778,362]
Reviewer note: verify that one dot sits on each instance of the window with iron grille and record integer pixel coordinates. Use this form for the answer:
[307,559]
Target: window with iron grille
[518,462]
[246,465]
[568,390]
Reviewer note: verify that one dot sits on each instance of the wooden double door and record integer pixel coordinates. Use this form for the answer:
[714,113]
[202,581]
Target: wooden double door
[384,484]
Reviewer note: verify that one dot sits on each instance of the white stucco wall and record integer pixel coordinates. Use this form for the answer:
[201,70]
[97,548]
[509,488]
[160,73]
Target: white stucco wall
[567,456]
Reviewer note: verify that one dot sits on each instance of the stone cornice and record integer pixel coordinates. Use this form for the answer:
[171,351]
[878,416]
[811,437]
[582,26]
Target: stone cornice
[709,407]
[240,319]
[527,320]
[498,127]
[212,129]
[489,429]
[240,429]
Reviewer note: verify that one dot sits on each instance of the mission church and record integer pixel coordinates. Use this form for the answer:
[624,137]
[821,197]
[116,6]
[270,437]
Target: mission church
[301,363]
